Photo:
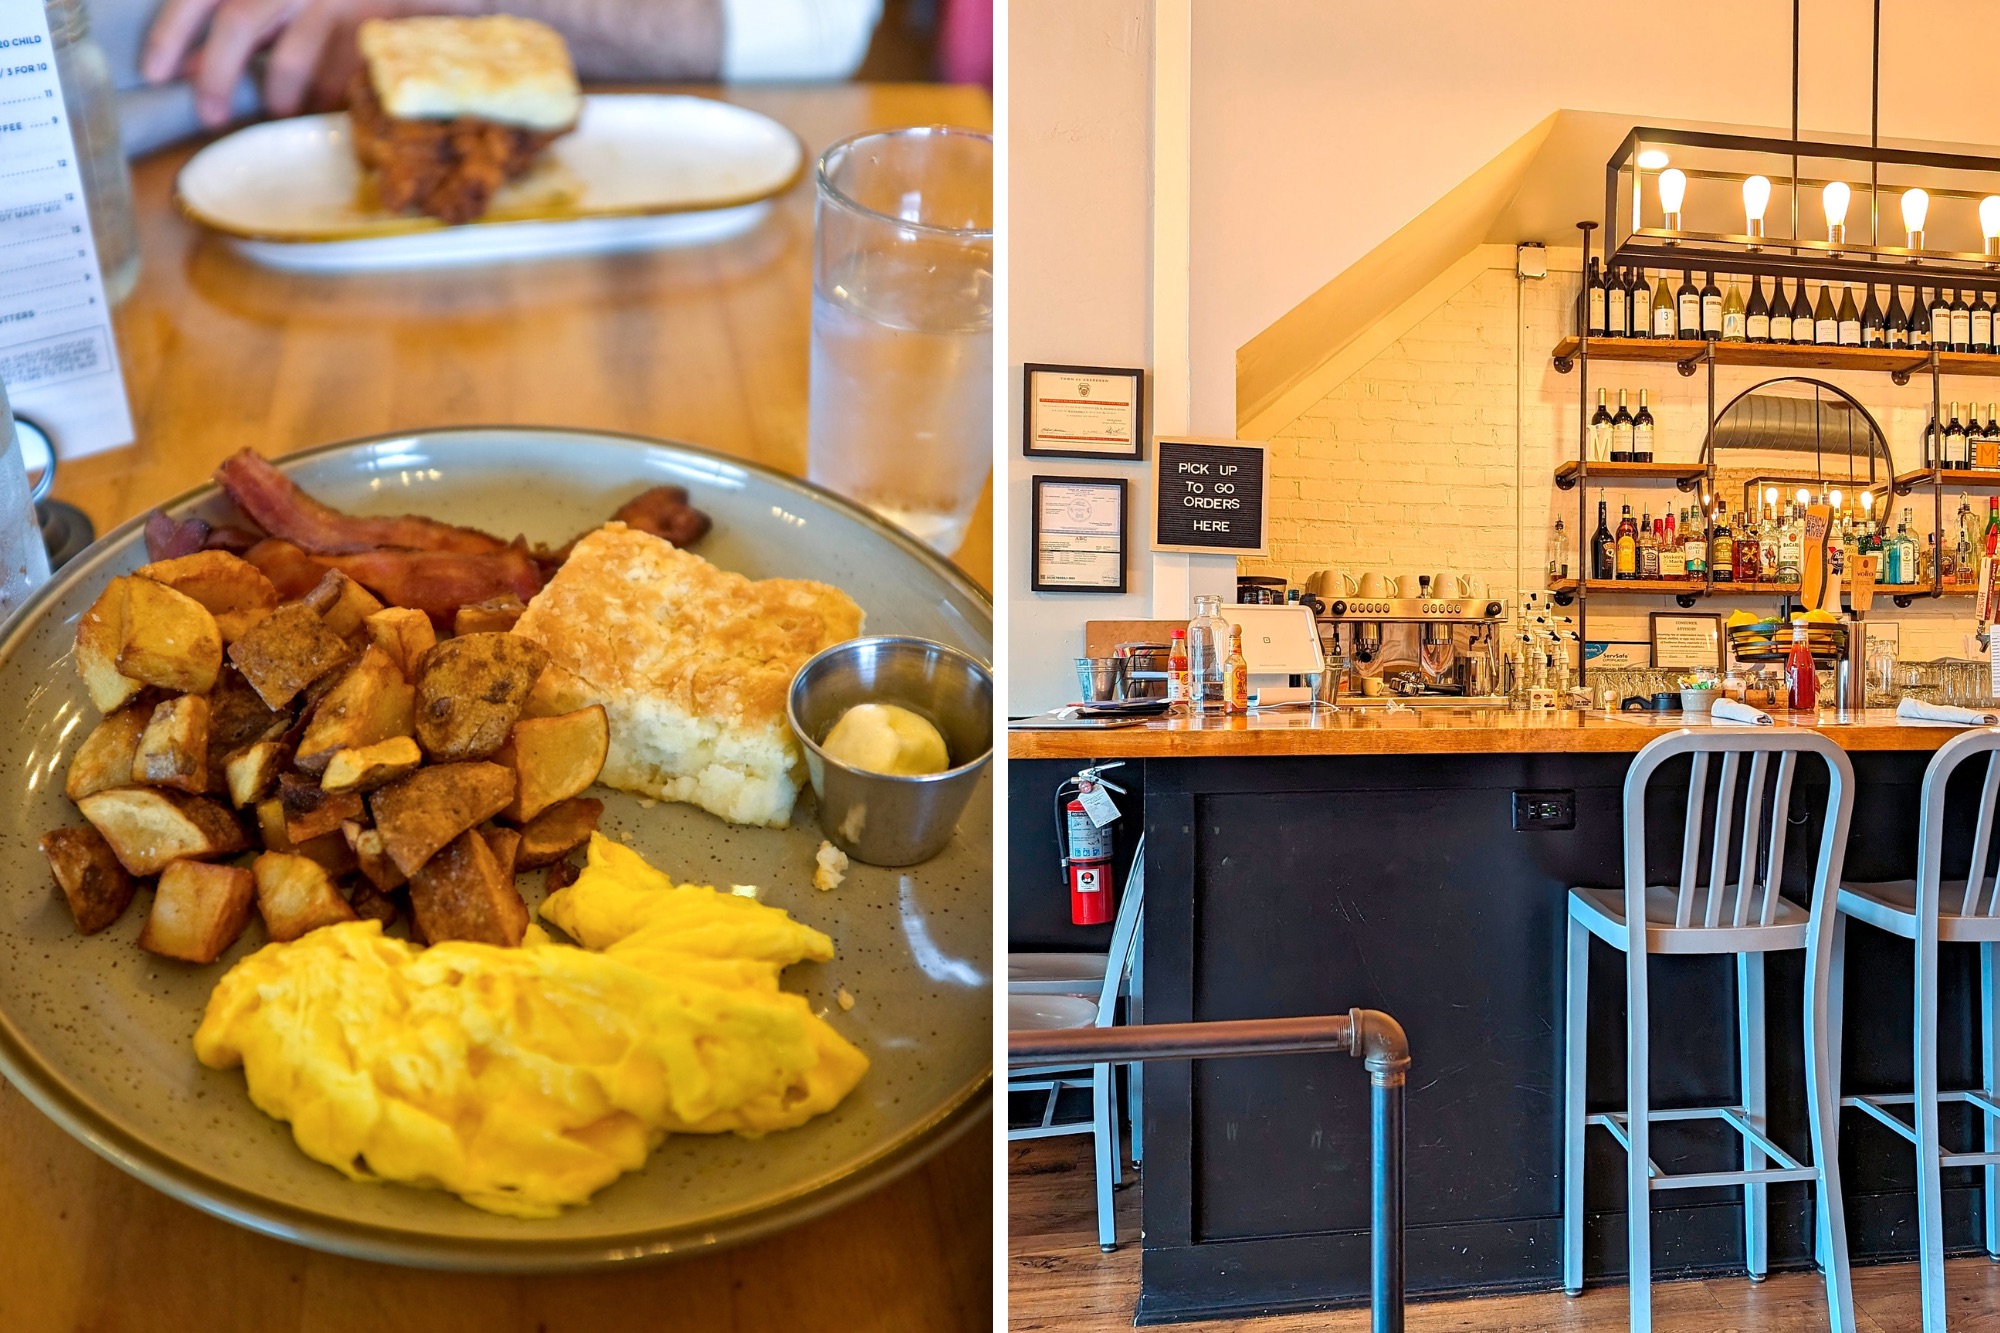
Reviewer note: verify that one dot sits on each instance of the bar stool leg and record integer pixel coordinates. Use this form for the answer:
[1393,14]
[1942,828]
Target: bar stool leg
[1836,1017]
[1930,1184]
[1105,1111]
[1750,1055]
[1576,1012]
[1638,1107]
[1989,1045]
[1822,1034]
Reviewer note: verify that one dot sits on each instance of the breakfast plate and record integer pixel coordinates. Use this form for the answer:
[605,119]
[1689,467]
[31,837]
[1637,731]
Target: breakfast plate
[98,1034]
[640,170]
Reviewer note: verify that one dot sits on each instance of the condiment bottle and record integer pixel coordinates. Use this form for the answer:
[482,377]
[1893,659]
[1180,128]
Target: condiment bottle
[1235,675]
[1801,685]
[1177,673]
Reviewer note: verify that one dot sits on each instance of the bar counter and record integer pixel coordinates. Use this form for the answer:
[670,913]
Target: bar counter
[1308,863]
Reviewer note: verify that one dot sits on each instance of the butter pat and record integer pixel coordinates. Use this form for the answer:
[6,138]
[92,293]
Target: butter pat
[887,738]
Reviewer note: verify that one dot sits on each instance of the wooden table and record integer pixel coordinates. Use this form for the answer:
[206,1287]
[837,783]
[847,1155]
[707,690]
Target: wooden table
[705,345]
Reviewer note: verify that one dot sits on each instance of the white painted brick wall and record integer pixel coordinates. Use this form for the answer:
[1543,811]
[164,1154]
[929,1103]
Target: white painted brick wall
[1414,462]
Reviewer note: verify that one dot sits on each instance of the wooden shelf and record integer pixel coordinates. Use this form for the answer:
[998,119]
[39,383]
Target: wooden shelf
[1953,479]
[1900,363]
[1684,475]
[1695,587]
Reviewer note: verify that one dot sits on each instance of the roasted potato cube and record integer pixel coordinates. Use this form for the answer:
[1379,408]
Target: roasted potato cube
[311,811]
[372,857]
[371,703]
[295,895]
[558,831]
[173,751]
[405,634]
[170,639]
[271,825]
[148,827]
[494,616]
[559,875]
[198,911]
[287,651]
[104,760]
[371,904]
[460,894]
[371,766]
[418,814]
[556,691]
[100,632]
[236,716]
[252,771]
[342,603]
[470,691]
[235,591]
[505,844]
[330,850]
[553,759]
[97,888]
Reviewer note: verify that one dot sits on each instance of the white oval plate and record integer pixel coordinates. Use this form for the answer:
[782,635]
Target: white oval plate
[98,1033]
[640,169]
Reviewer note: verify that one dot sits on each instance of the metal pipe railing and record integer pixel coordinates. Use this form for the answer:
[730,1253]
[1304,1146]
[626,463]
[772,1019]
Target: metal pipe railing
[1369,1035]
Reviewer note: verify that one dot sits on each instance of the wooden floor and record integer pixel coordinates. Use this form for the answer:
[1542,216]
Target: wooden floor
[1057,1279]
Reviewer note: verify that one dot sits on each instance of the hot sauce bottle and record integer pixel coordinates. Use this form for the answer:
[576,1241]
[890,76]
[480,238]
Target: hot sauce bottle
[1177,673]
[1235,675]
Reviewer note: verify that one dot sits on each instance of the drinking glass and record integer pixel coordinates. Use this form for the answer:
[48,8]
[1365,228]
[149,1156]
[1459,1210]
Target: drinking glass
[902,330]
[24,558]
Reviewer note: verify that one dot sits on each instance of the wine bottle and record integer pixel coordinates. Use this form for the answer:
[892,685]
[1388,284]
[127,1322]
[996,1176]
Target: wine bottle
[1957,451]
[1711,309]
[1874,331]
[1941,320]
[1898,324]
[1666,323]
[1642,432]
[1982,324]
[1849,317]
[1802,316]
[1826,321]
[1781,314]
[1603,547]
[1688,306]
[1920,319]
[1617,306]
[1600,430]
[1757,315]
[1621,432]
[1933,443]
[1640,302]
[1593,292]
[1961,323]
[1732,314]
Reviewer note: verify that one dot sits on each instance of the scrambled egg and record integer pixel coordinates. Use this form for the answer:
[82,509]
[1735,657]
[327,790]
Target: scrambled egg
[524,1080]
[887,738]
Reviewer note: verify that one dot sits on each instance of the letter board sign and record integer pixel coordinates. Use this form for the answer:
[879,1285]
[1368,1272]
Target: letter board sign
[1209,497]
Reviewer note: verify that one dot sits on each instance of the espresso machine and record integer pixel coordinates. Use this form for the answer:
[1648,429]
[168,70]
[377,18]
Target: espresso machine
[1415,649]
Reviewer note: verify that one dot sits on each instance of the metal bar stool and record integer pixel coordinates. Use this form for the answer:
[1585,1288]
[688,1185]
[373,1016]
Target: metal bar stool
[1925,910]
[1747,917]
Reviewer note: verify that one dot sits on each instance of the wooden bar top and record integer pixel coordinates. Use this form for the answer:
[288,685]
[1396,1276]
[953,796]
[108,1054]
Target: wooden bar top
[1435,730]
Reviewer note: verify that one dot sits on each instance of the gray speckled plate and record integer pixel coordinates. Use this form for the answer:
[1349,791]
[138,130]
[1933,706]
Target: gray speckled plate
[99,1034]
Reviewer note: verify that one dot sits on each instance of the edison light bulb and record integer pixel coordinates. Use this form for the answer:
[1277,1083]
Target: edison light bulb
[1673,189]
[1867,503]
[1916,204]
[1652,159]
[1989,224]
[1804,496]
[1834,498]
[1756,194]
[1834,197]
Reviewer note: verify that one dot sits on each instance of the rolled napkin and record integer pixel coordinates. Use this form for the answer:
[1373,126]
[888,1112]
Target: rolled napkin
[1736,711]
[1916,710]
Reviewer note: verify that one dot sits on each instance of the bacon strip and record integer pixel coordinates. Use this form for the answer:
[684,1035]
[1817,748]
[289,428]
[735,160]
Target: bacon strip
[168,538]
[291,571]
[270,497]
[663,511]
[439,582]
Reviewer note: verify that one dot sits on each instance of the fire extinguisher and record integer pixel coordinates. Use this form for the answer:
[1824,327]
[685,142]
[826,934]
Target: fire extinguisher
[1084,816]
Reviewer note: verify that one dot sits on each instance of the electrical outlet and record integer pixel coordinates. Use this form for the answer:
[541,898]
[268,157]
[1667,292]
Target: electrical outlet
[1544,811]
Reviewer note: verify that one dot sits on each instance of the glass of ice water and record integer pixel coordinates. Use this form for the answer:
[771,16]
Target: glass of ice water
[24,558]
[902,331]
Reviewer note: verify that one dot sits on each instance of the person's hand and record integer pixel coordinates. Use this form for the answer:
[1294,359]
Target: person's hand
[311,41]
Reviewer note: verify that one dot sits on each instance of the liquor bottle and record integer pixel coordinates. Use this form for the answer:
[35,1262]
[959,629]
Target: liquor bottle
[1826,321]
[1177,673]
[1642,432]
[1955,451]
[1968,563]
[1757,315]
[1600,430]
[1603,547]
[1721,545]
[1892,559]
[1749,546]
[1666,322]
[1982,324]
[1990,540]
[1909,545]
[1802,316]
[1791,547]
[1617,306]
[1898,323]
[1711,309]
[1694,545]
[1961,323]
[1621,432]
[1874,331]
[1849,334]
[1593,294]
[1767,543]
[1801,681]
[1558,553]
[1235,675]
[1628,545]
[1647,556]
[1640,299]
[1732,314]
[1781,314]
[1673,555]
[1940,320]
[1920,319]
[1687,302]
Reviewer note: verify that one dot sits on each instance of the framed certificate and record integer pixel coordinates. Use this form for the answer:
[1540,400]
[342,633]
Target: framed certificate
[1690,642]
[1078,540]
[1083,412]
